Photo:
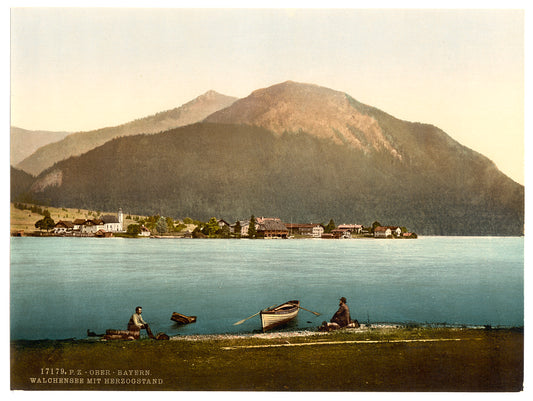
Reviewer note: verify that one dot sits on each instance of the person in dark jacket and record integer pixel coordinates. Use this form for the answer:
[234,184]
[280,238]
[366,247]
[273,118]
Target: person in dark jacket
[342,316]
[340,319]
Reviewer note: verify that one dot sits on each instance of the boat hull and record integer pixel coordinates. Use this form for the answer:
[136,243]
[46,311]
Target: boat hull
[182,319]
[279,315]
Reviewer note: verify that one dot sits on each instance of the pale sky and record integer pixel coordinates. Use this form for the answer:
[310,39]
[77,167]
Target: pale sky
[79,69]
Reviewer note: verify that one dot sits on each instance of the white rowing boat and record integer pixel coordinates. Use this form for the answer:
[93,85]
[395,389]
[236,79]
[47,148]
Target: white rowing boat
[279,315]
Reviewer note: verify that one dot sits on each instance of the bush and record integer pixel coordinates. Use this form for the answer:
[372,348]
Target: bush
[133,229]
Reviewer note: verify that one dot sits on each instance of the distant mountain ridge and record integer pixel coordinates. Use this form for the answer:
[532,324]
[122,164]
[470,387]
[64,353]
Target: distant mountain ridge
[81,142]
[24,142]
[278,153]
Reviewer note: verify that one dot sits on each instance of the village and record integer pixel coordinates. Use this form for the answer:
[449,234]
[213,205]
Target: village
[113,225]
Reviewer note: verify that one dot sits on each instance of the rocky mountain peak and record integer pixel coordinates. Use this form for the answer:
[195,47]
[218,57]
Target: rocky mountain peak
[292,107]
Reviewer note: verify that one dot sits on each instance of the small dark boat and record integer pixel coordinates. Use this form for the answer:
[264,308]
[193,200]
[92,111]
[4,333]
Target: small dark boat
[279,315]
[182,319]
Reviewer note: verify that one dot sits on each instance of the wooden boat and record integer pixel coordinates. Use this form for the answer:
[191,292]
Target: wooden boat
[111,334]
[182,319]
[279,315]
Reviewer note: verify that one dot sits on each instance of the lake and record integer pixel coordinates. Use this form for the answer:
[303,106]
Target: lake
[60,287]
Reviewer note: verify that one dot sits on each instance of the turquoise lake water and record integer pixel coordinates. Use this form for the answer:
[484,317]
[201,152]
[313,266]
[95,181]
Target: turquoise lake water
[60,287]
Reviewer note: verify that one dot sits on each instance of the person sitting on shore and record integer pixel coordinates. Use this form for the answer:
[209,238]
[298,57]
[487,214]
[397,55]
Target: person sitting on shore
[340,319]
[342,316]
[137,323]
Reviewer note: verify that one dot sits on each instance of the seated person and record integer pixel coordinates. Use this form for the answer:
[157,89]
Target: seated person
[341,318]
[137,323]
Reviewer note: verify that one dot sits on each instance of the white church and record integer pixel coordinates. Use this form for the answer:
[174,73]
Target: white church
[105,224]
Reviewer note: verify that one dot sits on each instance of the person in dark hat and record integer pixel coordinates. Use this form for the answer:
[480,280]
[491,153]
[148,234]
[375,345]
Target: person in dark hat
[342,316]
[340,319]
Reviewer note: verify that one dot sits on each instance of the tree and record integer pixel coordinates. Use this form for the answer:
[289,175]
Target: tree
[36,210]
[179,227]
[237,230]
[151,222]
[197,232]
[133,229]
[161,225]
[330,226]
[170,224]
[252,231]
[46,223]
[375,224]
[224,232]
[212,227]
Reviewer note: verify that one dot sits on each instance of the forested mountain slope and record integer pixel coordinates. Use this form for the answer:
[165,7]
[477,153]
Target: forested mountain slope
[81,142]
[232,171]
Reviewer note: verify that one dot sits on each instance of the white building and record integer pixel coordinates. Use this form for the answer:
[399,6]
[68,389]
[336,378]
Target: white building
[353,228]
[382,232]
[318,230]
[144,232]
[92,226]
[114,224]
[245,224]
[107,223]
[63,227]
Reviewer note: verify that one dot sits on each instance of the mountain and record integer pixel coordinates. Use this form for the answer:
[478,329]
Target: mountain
[81,142]
[279,153]
[319,111]
[21,183]
[25,142]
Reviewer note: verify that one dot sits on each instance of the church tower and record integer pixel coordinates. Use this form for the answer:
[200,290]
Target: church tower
[121,219]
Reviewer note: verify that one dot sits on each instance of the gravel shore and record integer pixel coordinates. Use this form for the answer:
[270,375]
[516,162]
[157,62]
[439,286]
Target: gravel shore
[383,327]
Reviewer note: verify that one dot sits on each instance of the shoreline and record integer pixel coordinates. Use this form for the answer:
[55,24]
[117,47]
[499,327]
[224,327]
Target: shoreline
[383,327]
[297,333]
[36,234]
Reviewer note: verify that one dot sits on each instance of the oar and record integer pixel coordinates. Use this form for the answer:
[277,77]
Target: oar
[314,313]
[255,314]
[244,320]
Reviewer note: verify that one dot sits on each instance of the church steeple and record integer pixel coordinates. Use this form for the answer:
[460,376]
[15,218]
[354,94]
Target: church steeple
[120,219]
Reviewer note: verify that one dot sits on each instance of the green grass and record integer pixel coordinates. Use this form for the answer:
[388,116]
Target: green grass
[476,360]
[24,220]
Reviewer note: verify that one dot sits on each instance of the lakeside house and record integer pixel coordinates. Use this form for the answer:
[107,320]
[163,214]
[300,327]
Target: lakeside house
[223,223]
[382,232]
[77,224]
[63,226]
[101,227]
[307,230]
[271,227]
[352,228]
[341,233]
[92,226]
[386,232]
[144,232]
[266,227]
[244,226]
[396,231]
